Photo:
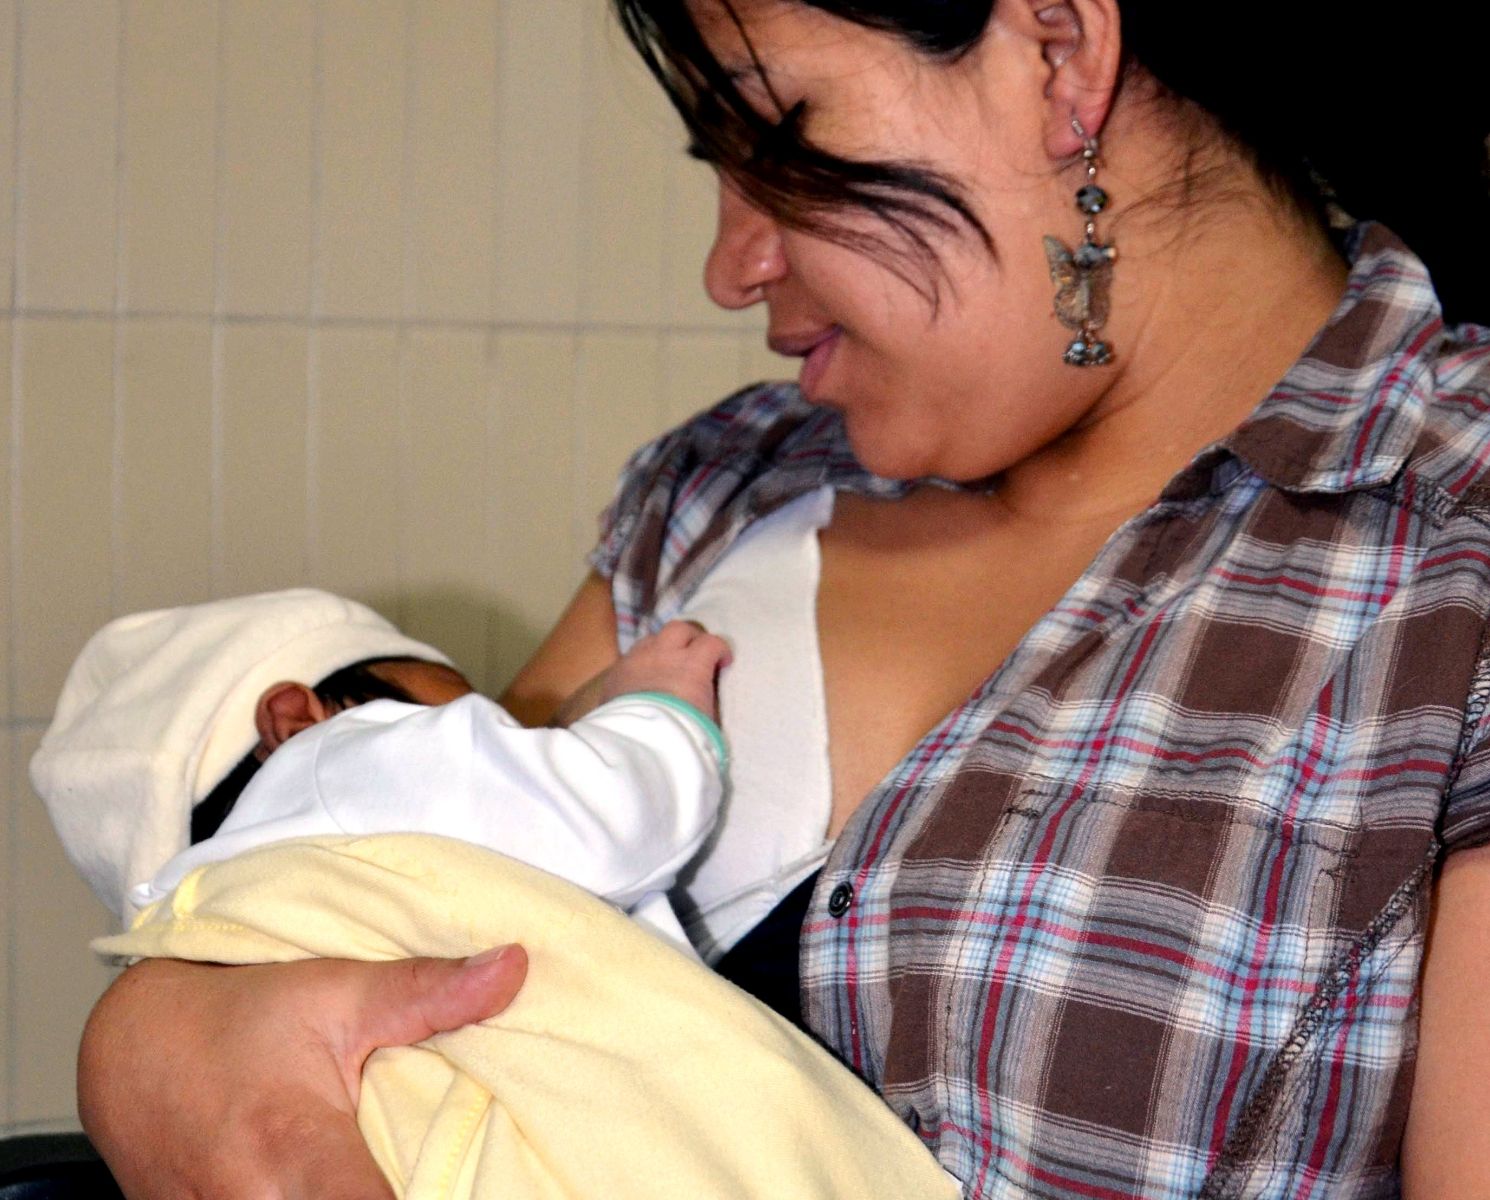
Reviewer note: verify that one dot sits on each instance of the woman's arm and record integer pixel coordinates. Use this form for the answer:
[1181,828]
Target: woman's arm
[242,1082]
[1446,1148]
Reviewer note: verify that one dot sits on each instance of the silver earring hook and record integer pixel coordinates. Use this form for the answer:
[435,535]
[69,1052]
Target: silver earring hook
[1088,142]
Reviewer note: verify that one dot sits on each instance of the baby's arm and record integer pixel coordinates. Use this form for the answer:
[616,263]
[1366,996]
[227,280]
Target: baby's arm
[616,804]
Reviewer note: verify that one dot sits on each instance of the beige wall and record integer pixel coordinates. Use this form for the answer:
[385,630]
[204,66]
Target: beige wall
[371,294]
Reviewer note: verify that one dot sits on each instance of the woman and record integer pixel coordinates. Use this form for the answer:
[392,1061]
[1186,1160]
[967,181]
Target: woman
[1144,912]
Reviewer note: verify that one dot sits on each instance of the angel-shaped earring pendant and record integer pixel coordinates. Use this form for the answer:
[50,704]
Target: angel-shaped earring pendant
[1083,277]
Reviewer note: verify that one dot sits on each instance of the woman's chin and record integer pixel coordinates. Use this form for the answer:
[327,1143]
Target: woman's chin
[892,457]
[883,454]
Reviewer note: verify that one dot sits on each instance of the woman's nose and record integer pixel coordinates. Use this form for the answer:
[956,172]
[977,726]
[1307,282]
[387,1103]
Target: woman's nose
[747,253]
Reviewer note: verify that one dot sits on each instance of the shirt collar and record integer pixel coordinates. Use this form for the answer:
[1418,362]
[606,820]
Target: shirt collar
[1348,413]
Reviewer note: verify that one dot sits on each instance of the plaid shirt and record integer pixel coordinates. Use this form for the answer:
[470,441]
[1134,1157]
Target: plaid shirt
[1145,915]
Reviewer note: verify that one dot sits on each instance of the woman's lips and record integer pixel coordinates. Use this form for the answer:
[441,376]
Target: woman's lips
[815,351]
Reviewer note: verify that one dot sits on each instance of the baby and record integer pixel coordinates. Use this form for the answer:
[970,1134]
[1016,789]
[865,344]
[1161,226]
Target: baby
[392,740]
[623,1070]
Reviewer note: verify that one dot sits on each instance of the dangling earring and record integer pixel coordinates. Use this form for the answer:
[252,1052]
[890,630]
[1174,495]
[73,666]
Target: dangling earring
[1083,278]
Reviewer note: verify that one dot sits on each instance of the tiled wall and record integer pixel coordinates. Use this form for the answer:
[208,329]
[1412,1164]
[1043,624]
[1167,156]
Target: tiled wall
[372,294]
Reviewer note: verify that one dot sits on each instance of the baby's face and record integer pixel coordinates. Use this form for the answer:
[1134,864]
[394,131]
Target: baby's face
[426,682]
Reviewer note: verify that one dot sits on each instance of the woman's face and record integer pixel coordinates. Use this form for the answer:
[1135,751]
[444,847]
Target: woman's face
[968,386]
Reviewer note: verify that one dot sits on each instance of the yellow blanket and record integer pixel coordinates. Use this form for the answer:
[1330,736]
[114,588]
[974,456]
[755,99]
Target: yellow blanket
[623,1071]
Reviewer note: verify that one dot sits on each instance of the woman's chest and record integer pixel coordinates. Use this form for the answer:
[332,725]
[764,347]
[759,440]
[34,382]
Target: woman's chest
[918,603]
[1163,880]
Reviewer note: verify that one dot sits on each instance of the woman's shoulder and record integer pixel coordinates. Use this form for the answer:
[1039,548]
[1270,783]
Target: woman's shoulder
[1463,362]
[1453,444]
[709,458]
[675,486]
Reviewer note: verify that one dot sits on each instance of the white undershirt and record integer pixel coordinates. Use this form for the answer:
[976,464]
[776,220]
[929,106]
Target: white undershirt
[773,833]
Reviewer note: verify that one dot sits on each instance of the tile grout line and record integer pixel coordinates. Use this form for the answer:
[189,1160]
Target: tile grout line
[13,535]
[406,300]
[585,213]
[406,166]
[121,186]
[311,547]
[496,267]
[13,434]
[452,324]
[216,519]
[493,397]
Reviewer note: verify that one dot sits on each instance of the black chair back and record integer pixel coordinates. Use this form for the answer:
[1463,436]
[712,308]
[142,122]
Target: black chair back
[53,1166]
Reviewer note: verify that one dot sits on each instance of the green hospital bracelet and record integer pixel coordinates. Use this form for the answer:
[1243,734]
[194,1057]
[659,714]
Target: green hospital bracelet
[696,714]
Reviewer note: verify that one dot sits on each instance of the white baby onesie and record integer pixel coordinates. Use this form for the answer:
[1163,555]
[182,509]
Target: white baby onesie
[615,803]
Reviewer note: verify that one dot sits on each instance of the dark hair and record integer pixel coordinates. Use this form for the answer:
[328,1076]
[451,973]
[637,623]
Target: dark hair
[781,171]
[346,688]
[1391,125]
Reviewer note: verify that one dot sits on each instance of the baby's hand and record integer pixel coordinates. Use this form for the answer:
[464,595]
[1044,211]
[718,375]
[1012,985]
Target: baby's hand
[682,659]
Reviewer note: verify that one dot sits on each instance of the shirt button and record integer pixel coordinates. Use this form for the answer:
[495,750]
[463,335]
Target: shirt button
[839,901]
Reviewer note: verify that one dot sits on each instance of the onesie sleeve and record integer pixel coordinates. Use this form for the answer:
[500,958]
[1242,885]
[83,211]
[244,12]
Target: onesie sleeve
[617,803]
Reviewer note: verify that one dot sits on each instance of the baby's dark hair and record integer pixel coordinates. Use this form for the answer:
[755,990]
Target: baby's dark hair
[346,688]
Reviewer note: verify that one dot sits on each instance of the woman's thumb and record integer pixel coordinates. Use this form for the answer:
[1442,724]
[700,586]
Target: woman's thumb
[415,998]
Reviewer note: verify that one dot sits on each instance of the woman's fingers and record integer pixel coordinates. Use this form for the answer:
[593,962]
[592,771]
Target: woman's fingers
[411,999]
[242,1082]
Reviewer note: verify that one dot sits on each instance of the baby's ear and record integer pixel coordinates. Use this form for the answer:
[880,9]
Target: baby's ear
[284,710]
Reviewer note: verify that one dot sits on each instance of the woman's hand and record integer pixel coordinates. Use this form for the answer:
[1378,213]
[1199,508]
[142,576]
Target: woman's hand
[228,1082]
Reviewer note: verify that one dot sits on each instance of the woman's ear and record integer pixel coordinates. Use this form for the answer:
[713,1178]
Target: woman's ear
[1081,45]
[283,710]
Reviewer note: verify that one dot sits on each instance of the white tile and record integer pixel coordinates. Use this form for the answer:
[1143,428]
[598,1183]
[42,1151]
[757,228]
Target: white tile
[693,201]
[358,453]
[540,160]
[7,148]
[7,613]
[536,563]
[164,465]
[168,207]
[360,222]
[68,122]
[619,406]
[698,370]
[632,140]
[760,365]
[445,563]
[267,83]
[53,917]
[452,159]
[63,570]
[262,496]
